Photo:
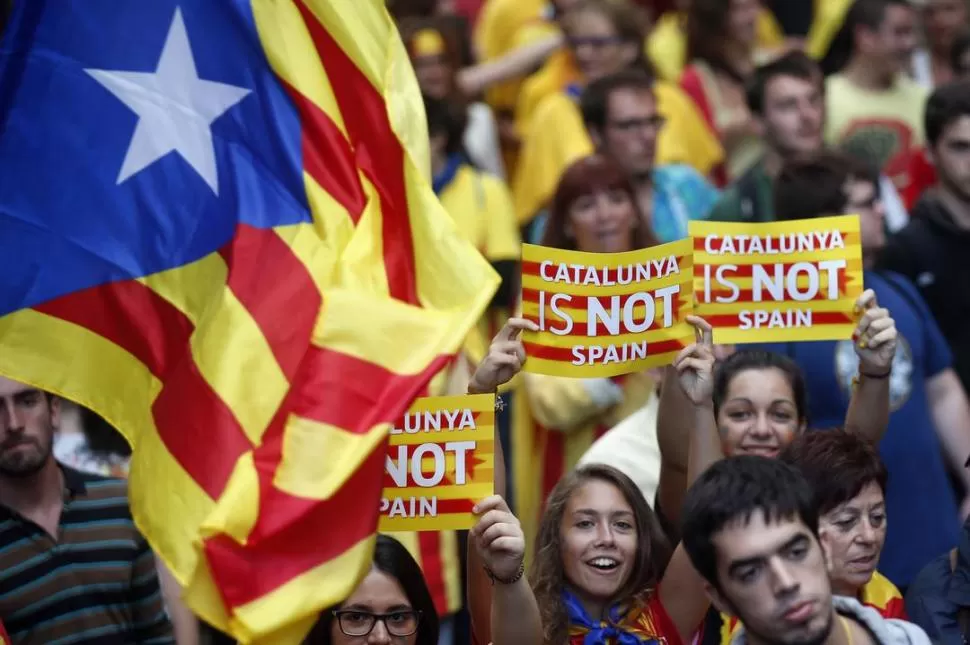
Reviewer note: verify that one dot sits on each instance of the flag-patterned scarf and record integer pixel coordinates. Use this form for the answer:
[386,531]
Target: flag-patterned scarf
[624,625]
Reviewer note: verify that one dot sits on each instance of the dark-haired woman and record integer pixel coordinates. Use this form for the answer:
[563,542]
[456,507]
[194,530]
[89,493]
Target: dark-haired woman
[849,481]
[756,403]
[392,603]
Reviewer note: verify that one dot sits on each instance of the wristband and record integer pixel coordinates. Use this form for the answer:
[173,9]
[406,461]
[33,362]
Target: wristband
[876,377]
[508,581]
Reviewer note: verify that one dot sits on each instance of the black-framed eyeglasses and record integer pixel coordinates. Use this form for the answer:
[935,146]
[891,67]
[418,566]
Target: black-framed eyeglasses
[354,622]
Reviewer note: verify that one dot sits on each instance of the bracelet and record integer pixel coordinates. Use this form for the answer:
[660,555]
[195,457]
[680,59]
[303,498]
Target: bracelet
[876,377]
[510,581]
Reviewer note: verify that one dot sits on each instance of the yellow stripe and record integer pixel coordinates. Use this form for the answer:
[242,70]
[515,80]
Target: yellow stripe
[477,491]
[794,334]
[301,472]
[339,328]
[846,224]
[236,512]
[443,522]
[303,597]
[681,249]
[479,434]
[451,567]
[225,328]
[853,253]
[292,54]
[319,245]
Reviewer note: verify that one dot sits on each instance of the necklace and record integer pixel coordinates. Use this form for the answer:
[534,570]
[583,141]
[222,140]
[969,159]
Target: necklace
[848,632]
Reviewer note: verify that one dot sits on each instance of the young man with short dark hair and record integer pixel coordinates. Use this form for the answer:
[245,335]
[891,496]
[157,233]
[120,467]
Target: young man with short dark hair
[750,528]
[786,97]
[73,566]
[621,115]
[873,107]
[934,249]
[931,417]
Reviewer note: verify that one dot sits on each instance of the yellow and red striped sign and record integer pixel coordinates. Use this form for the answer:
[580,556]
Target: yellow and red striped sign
[606,314]
[777,282]
[440,463]
[258,383]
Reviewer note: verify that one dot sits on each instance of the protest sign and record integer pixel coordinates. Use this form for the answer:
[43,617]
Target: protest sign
[440,463]
[602,314]
[778,282]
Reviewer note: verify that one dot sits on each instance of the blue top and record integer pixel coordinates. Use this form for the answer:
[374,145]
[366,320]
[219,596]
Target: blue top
[136,138]
[921,506]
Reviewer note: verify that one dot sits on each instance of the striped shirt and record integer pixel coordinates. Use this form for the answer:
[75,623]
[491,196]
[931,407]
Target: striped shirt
[96,583]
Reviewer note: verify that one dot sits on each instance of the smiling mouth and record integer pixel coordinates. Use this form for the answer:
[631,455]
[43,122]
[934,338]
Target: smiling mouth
[864,561]
[760,451]
[603,564]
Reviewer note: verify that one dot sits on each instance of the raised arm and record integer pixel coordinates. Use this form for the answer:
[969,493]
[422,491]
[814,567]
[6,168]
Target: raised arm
[521,62]
[875,343]
[500,544]
[504,360]
[686,427]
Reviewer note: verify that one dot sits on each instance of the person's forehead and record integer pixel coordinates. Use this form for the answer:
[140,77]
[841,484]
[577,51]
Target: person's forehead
[959,128]
[632,100]
[9,387]
[782,86]
[753,537]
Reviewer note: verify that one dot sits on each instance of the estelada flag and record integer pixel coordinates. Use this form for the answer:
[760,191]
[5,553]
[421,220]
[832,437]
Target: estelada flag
[217,232]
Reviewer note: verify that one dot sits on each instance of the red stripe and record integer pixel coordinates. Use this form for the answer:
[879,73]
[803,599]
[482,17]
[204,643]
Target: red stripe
[327,156]
[350,393]
[747,296]
[581,302]
[444,506]
[276,288]
[565,354]
[187,412]
[746,270]
[433,569]
[132,316]
[378,152]
[553,462]
[301,534]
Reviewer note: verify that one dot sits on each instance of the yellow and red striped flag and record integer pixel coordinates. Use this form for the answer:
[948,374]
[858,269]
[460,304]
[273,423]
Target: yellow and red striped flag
[228,247]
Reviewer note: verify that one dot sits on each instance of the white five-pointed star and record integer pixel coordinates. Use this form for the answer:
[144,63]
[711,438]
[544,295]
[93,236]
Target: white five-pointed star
[175,108]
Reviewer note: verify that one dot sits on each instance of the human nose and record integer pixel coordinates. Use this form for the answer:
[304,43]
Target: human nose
[761,427]
[783,580]
[12,418]
[604,534]
[379,635]
[867,533]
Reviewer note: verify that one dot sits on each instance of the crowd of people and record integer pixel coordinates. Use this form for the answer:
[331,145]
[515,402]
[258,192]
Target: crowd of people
[810,492]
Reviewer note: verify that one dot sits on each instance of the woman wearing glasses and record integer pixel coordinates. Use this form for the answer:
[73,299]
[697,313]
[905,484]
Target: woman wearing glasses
[392,604]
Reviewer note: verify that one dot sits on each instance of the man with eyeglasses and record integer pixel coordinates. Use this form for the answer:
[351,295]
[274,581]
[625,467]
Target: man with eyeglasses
[620,113]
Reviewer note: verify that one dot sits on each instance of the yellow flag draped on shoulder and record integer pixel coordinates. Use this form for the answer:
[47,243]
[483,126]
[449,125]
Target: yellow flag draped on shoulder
[266,284]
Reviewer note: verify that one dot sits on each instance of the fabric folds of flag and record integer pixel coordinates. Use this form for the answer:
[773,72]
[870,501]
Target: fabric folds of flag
[221,237]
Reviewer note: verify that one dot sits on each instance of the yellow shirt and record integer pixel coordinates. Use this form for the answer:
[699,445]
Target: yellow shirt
[497,32]
[558,137]
[666,46]
[884,127]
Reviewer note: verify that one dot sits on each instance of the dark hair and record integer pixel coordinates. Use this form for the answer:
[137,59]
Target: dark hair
[707,26]
[756,359]
[629,21]
[102,437]
[958,48]
[448,118]
[734,489]
[392,558]
[867,14]
[595,100]
[548,574]
[837,464]
[410,28]
[947,103]
[814,185]
[583,177]
[794,64]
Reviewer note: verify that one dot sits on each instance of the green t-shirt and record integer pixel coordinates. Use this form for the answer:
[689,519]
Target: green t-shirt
[749,199]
